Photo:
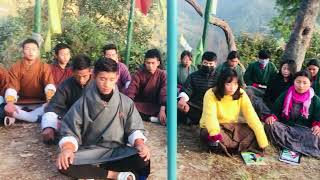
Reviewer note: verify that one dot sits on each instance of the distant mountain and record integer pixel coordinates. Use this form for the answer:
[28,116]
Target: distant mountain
[242,15]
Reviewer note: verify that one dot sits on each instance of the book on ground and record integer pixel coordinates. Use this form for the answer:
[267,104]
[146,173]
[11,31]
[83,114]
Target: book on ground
[290,157]
[251,158]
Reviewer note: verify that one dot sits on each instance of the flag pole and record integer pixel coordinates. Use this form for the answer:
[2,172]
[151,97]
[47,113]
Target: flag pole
[130,30]
[172,88]
[37,22]
[37,17]
[206,23]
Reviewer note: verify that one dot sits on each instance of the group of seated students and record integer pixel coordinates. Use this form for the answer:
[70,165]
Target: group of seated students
[93,113]
[238,108]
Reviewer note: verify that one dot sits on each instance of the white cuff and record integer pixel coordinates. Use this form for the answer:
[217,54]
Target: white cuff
[50,87]
[11,92]
[49,119]
[184,95]
[127,84]
[136,135]
[70,139]
[1,100]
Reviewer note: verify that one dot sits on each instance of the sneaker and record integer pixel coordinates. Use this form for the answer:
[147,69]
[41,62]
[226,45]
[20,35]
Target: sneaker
[8,121]
[154,119]
[125,176]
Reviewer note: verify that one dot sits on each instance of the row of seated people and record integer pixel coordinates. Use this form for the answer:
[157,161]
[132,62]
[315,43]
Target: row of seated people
[222,105]
[286,101]
[34,82]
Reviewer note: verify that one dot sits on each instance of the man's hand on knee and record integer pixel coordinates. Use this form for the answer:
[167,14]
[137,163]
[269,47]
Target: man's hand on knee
[65,158]
[143,151]
[183,106]
[162,115]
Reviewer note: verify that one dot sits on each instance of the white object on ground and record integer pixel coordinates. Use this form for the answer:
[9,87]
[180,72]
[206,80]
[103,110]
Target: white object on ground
[125,175]
[8,121]
[154,119]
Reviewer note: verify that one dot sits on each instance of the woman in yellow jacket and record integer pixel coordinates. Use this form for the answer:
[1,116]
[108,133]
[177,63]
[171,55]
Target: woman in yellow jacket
[220,123]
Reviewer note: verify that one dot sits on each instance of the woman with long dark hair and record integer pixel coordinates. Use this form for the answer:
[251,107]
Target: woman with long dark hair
[220,124]
[313,66]
[280,82]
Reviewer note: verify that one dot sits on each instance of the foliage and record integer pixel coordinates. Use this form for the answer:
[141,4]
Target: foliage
[283,23]
[109,25]
[87,26]
[249,45]
[15,30]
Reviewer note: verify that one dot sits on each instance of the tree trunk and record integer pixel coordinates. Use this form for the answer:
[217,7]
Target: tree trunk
[217,22]
[302,32]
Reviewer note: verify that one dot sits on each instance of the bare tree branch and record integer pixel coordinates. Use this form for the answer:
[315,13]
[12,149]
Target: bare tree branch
[217,22]
[196,6]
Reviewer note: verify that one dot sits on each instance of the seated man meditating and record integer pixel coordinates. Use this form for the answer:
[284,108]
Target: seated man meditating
[96,130]
[148,88]
[30,85]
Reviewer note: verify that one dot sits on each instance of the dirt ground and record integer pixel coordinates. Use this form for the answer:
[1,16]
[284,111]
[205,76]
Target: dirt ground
[24,156]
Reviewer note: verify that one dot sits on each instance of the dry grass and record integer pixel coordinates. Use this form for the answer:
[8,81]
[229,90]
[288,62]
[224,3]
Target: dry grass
[23,156]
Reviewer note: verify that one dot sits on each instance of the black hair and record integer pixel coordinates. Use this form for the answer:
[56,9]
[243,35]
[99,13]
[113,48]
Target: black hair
[209,56]
[292,65]
[186,53]
[28,41]
[314,62]
[105,65]
[80,62]
[233,55]
[109,47]
[227,76]
[264,54]
[153,53]
[304,73]
[60,46]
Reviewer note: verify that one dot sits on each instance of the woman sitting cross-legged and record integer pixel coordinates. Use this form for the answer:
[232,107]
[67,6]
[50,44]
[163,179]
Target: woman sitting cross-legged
[220,124]
[295,120]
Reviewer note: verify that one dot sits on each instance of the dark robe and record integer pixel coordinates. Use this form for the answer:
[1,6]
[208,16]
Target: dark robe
[275,88]
[314,113]
[316,84]
[66,95]
[148,91]
[258,75]
[59,74]
[197,85]
[101,128]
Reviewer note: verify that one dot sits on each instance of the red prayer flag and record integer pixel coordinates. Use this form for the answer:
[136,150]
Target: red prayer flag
[143,5]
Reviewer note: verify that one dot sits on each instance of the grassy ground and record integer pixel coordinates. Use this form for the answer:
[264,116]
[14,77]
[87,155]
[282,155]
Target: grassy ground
[23,156]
